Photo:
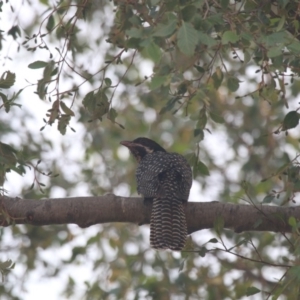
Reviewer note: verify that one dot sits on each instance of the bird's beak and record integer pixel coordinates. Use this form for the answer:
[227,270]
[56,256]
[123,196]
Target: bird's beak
[127,144]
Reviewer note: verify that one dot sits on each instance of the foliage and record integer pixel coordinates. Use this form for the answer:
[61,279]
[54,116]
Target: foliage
[217,80]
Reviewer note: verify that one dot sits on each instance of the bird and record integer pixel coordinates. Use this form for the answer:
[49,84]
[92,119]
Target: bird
[164,178]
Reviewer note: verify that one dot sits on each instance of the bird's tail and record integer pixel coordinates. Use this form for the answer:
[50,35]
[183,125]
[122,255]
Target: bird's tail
[168,229]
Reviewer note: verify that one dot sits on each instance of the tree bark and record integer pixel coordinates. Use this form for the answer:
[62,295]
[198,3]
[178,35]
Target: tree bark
[87,211]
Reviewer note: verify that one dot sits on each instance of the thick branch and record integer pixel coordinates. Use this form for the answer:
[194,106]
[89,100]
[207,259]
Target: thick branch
[86,211]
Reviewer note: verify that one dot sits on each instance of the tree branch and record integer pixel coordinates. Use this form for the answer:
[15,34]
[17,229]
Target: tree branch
[86,211]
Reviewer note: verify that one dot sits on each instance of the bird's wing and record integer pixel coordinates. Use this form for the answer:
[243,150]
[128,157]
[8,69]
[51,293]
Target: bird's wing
[158,170]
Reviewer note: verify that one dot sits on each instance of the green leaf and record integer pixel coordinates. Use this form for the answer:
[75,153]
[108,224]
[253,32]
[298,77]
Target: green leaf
[199,69]
[224,3]
[252,291]
[202,120]
[233,84]
[274,38]
[158,81]
[213,240]
[281,23]
[198,134]
[170,104]
[165,30]
[229,37]
[203,251]
[4,97]
[38,64]
[107,81]
[14,32]
[293,222]
[187,38]
[7,80]
[217,77]
[201,169]
[268,198]
[295,272]
[219,225]
[206,39]
[216,118]
[188,12]
[291,120]
[152,51]
[66,109]
[134,32]
[88,101]
[48,71]
[50,23]
[274,52]
[112,114]
[257,223]
[63,122]
[294,47]
[191,158]
[41,88]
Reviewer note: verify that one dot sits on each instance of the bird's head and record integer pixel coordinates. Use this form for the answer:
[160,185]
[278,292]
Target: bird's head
[141,147]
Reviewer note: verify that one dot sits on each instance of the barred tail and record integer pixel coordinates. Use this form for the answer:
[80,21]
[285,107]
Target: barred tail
[168,229]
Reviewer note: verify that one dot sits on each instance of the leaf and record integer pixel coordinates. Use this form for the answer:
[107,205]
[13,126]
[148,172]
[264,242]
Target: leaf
[291,120]
[274,38]
[257,223]
[14,32]
[158,81]
[213,240]
[63,122]
[7,80]
[169,106]
[191,158]
[188,12]
[295,272]
[4,97]
[252,291]
[229,37]
[294,47]
[50,23]
[54,112]
[203,251]
[201,169]
[199,134]
[152,51]
[216,118]
[219,225]
[206,39]
[268,198]
[202,120]
[48,71]
[112,114]
[88,101]
[187,38]
[217,77]
[107,81]
[38,64]
[66,109]
[134,32]
[274,51]
[233,84]
[41,88]
[280,23]
[165,30]
[293,222]
[199,69]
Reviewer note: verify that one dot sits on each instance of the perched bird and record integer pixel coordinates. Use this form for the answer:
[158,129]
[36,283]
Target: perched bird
[166,178]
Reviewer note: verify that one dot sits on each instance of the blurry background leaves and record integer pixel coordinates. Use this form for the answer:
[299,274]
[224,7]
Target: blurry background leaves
[216,80]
